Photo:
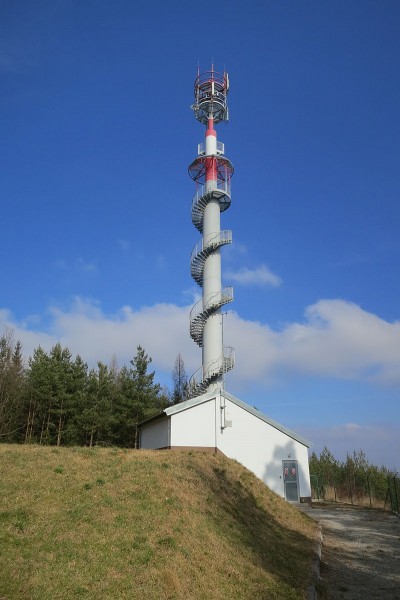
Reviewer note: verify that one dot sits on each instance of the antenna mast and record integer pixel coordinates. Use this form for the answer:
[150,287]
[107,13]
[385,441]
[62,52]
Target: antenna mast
[212,172]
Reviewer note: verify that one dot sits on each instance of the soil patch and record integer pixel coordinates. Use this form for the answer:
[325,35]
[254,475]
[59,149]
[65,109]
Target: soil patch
[360,553]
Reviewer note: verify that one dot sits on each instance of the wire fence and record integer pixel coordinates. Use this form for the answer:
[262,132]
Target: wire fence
[364,491]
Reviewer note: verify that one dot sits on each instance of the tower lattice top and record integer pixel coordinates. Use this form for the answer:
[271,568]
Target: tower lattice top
[210,93]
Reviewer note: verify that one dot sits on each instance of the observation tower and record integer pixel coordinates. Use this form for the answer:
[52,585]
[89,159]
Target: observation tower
[212,172]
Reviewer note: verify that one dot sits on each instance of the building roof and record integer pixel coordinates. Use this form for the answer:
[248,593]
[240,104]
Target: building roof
[176,408]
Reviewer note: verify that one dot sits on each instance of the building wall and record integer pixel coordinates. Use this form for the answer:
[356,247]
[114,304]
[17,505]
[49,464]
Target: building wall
[195,426]
[261,448]
[155,434]
[248,439]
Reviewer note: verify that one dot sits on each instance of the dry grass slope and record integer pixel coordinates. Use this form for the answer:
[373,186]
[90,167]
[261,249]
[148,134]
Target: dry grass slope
[110,523]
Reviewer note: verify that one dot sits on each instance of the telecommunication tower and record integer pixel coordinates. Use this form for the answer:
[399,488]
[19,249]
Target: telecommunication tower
[212,173]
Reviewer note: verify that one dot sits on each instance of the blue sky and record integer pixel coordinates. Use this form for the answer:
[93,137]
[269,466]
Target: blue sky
[96,232]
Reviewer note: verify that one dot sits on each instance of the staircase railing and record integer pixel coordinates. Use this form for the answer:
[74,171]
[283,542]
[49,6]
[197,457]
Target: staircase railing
[222,186]
[217,299]
[213,239]
[202,377]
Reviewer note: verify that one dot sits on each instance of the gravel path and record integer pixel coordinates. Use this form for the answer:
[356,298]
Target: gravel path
[360,553]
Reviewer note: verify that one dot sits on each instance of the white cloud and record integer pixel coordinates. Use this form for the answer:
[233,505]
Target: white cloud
[262,275]
[161,329]
[341,339]
[192,295]
[337,339]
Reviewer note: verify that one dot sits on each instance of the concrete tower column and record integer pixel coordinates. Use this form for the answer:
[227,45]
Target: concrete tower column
[212,172]
[212,334]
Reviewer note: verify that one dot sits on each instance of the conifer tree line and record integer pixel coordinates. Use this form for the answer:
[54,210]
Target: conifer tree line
[354,480]
[54,398]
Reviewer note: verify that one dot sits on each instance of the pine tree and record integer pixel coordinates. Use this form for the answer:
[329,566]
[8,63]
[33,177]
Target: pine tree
[12,382]
[62,378]
[138,397]
[96,420]
[38,394]
[78,391]
[49,392]
[180,382]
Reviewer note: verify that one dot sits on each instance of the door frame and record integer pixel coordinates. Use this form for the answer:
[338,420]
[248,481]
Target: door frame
[288,464]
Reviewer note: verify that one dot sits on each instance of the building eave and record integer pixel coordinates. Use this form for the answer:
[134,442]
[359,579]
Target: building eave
[177,408]
[156,417]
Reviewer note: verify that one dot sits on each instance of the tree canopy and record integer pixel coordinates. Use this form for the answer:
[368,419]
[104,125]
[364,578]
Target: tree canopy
[56,399]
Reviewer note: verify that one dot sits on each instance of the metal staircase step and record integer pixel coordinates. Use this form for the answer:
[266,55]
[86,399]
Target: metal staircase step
[198,259]
[201,200]
[197,320]
[223,365]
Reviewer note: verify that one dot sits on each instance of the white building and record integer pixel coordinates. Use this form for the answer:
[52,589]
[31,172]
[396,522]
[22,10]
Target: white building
[219,422]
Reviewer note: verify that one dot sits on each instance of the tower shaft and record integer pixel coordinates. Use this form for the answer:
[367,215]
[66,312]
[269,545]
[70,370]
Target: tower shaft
[212,172]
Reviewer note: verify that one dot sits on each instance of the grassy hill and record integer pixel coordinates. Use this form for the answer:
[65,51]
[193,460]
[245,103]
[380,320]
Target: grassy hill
[112,523]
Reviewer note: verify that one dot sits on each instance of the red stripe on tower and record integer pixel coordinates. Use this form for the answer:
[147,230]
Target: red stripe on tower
[211,163]
[211,169]
[210,128]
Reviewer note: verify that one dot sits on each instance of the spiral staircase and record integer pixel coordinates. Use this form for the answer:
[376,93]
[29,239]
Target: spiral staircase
[208,305]
[201,379]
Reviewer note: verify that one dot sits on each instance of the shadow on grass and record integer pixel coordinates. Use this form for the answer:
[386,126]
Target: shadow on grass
[249,519]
